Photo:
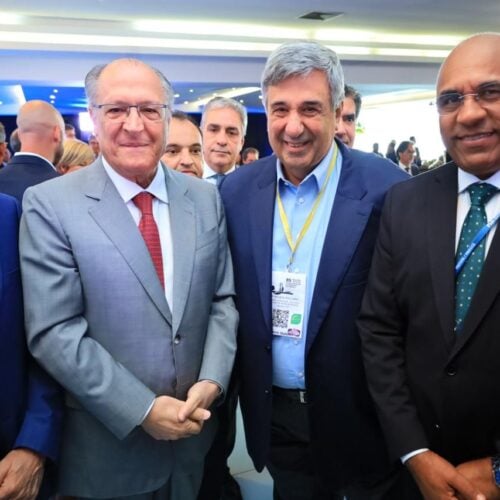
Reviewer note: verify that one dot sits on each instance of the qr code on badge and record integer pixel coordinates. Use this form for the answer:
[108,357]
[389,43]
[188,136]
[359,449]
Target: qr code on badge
[280,318]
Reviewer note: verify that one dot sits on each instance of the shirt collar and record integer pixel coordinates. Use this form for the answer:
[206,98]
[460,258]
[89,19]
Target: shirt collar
[465,179]
[318,173]
[209,172]
[128,189]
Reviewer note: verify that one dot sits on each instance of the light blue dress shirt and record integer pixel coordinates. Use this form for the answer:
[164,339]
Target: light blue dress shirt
[289,353]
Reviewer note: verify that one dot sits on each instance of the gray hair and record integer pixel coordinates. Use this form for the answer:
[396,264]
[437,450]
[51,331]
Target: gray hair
[226,102]
[300,59]
[3,135]
[92,81]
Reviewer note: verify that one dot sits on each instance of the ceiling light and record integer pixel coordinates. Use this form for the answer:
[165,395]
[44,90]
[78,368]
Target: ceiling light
[217,29]
[8,18]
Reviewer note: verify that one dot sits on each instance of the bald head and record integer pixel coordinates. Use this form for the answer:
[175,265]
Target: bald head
[468,89]
[41,129]
[38,114]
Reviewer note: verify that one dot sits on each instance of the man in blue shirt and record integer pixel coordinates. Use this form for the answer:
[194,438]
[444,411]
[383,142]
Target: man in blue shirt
[302,226]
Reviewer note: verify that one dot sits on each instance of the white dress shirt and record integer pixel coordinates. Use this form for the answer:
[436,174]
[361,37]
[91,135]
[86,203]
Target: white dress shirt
[158,188]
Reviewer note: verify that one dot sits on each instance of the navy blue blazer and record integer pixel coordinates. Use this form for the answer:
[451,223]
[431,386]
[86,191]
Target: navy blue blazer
[30,402]
[24,171]
[347,442]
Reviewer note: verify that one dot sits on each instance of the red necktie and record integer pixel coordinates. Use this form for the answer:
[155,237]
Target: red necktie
[149,230]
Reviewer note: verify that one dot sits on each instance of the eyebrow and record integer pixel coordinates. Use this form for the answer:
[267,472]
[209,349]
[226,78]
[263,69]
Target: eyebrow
[480,86]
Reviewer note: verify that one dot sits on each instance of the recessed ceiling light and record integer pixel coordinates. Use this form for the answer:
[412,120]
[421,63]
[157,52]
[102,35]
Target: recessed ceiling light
[186,102]
[320,16]
[191,91]
[52,96]
[55,91]
[177,95]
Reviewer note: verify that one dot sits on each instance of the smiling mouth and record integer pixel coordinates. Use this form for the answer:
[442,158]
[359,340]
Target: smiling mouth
[296,145]
[474,137]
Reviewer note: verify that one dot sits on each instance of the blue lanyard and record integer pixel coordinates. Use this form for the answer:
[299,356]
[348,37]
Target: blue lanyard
[475,242]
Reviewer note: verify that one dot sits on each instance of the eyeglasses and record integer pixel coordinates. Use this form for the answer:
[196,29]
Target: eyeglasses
[120,112]
[485,96]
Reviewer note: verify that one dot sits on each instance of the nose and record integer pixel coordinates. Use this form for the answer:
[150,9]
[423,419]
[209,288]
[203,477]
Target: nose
[221,138]
[340,131]
[133,122]
[185,158]
[294,126]
[470,110]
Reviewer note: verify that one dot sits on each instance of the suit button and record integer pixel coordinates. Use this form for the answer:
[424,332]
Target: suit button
[267,392]
[437,427]
[268,347]
[451,371]
[177,339]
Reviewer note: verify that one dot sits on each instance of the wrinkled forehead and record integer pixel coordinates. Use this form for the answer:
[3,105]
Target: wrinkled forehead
[124,77]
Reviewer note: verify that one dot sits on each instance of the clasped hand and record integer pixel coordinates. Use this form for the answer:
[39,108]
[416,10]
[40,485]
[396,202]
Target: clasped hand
[172,419]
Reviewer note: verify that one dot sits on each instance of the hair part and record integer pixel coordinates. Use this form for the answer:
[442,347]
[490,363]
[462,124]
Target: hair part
[300,59]
[223,103]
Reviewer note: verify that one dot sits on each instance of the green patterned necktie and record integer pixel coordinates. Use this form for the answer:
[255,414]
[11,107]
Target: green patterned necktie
[467,280]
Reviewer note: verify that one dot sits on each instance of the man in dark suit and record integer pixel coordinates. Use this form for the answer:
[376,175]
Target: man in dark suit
[430,317]
[41,132]
[307,412]
[30,405]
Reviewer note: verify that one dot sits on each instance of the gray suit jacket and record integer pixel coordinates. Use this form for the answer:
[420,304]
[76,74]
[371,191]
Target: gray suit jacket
[98,321]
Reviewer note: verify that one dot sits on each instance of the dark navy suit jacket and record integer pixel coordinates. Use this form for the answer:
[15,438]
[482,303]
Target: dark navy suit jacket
[24,171]
[347,442]
[30,402]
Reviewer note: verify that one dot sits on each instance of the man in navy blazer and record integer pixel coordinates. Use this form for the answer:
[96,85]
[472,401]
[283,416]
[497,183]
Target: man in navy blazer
[30,407]
[41,131]
[307,412]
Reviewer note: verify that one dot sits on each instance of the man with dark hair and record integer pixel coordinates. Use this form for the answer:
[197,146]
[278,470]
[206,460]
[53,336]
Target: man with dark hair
[406,153]
[351,106]
[70,131]
[183,151]
[249,155]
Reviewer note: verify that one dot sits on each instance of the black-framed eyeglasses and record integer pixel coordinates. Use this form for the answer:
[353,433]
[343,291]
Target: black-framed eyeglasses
[485,96]
[120,112]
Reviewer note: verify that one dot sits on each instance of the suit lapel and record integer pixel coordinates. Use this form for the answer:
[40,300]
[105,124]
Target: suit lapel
[113,217]
[441,216]
[183,227]
[261,210]
[346,225]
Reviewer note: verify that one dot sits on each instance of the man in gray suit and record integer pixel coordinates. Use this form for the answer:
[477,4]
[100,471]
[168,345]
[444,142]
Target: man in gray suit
[130,307]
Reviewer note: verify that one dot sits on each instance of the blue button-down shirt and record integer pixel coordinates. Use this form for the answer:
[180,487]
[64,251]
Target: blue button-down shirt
[289,353]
